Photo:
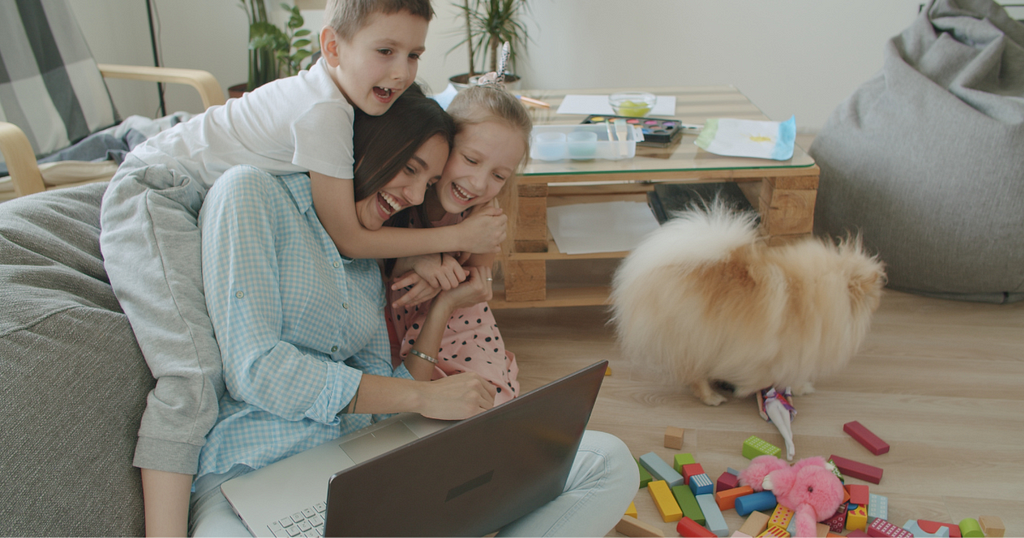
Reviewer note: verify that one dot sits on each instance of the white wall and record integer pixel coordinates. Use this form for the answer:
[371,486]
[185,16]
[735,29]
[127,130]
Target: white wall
[791,57]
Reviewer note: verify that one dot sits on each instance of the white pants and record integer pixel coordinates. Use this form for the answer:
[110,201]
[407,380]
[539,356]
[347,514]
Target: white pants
[603,481]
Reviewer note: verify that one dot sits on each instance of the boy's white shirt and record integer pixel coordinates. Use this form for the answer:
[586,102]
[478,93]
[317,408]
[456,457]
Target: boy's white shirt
[297,124]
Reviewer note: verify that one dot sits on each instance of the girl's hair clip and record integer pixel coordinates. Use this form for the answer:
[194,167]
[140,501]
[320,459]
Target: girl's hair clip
[497,79]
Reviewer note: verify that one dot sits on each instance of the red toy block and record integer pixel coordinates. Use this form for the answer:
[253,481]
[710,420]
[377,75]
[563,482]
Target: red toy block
[727,481]
[864,436]
[883,529]
[863,471]
[691,469]
[688,527]
[932,527]
[858,534]
[859,493]
[837,523]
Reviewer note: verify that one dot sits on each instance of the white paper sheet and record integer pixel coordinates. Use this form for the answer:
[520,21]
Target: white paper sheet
[598,104]
[603,227]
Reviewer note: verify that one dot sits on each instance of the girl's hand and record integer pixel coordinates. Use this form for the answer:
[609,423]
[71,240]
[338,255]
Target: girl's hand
[484,229]
[419,292]
[456,397]
[475,290]
[438,271]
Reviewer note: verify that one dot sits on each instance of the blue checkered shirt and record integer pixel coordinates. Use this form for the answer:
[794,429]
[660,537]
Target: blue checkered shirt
[297,324]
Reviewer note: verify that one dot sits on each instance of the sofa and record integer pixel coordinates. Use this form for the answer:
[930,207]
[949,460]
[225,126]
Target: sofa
[73,382]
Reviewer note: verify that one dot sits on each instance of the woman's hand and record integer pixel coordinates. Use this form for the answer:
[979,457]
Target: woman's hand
[456,397]
[484,229]
[439,271]
[475,290]
[419,291]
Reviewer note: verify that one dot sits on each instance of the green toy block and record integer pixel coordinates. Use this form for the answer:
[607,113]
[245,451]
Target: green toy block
[645,477]
[755,446]
[682,459]
[969,528]
[688,503]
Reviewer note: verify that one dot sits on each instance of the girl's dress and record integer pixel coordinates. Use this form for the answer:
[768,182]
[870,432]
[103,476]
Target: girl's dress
[471,341]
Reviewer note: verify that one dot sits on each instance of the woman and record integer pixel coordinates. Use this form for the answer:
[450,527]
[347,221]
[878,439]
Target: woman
[302,332]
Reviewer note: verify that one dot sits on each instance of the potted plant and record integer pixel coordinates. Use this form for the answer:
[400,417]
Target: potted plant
[273,52]
[489,24]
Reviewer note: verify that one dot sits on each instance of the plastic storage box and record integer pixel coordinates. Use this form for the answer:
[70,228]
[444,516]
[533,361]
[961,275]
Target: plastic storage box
[559,142]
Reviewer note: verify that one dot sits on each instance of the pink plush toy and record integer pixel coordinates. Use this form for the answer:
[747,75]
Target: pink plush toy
[809,488]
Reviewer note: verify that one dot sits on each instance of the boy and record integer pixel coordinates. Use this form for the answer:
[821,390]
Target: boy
[150,240]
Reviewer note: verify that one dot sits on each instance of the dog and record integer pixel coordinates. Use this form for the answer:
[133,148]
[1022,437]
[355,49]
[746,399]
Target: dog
[703,299]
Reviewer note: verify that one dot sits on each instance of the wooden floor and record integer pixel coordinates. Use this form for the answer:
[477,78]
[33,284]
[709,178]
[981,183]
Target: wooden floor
[942,382]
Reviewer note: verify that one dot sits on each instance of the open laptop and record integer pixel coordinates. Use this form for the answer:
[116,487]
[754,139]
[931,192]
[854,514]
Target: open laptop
[412,476]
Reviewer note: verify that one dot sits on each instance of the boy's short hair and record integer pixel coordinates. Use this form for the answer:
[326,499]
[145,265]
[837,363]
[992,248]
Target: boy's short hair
[346,17]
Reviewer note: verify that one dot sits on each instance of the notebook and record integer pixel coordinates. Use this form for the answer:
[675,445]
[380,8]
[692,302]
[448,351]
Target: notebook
[412,476]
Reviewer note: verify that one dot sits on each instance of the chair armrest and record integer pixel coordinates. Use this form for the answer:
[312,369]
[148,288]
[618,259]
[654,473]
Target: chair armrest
[209,90]
[20,159]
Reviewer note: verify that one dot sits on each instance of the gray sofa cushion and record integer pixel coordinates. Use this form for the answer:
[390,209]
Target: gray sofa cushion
[73,382]
[926,160]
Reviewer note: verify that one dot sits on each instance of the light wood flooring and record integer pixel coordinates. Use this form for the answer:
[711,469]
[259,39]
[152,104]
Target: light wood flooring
[941,381]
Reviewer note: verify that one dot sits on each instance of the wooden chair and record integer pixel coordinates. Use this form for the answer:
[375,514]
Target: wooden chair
[52,94]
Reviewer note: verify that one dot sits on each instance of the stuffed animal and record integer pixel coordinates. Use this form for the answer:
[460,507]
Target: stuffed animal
[809,488]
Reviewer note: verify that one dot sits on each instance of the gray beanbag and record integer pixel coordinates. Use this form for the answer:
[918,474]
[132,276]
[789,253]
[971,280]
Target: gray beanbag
[73,382]
[926,160]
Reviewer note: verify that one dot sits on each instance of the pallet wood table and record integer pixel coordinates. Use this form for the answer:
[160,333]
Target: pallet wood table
[783,191]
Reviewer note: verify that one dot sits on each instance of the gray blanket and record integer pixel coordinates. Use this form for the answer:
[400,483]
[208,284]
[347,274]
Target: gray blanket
[926,159]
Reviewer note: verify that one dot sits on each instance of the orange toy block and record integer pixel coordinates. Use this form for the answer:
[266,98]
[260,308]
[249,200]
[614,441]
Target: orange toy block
[631,511]
[674,438]
[781,517]
[859,493]
[727,499]
[992,526]
[755,524]
[665,501]
[631,526]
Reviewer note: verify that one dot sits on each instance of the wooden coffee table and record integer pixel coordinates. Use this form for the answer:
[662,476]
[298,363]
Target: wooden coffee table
[783,191]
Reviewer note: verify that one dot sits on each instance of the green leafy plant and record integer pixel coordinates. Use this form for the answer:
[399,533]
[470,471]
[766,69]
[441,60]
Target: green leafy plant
[489,24]
[273,52]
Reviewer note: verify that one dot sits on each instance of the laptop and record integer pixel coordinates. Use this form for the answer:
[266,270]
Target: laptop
[413,476]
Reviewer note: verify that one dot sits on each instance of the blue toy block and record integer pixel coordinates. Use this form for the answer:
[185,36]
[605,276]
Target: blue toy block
[915,529]
[878,507]
[714,521]
[763,501]
[661,470]
[701,484]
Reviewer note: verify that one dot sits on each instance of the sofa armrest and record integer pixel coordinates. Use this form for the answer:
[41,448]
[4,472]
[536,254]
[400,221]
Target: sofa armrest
[20,159]
[209,90]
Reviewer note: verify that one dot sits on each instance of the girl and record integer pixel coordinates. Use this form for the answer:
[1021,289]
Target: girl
[491,144]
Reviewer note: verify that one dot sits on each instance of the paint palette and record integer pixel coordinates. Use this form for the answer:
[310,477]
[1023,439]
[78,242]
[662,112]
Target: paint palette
[658,132]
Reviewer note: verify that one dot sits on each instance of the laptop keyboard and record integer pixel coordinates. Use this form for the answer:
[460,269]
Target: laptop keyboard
[309,522]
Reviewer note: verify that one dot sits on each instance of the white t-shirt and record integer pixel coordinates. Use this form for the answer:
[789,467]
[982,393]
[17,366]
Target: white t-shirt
[296,124]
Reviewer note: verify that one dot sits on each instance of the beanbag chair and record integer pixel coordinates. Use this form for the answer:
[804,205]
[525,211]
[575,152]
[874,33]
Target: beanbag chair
[926,159]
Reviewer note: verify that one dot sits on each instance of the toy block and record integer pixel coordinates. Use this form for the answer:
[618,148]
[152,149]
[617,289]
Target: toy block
[631,526]
[933,526]
[846,494]
[687,501]
[992,526]
[859,494]
[970,528]
[645,477]
[857,518]
[857,534]
[781,517]
[674,438]
[755,524]
[777,532]
[691,469]
[660,470]
[730,470]
[762,500]
[822,530]
[738,534]
[727,499]
[884,529]
[867,473]
[864,436]
[663,499]
[837,523]
[727,481]
[713,519]
[682,459]
[631,511]
[608,371]
[878,507]
[701,484]
[915,529]
[688,527]
[755,446]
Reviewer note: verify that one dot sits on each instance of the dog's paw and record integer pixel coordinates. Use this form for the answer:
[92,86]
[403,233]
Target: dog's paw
[807,388]
[703,391]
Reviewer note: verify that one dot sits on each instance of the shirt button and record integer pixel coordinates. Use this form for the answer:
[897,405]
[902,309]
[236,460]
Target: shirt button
[239,294]
[344,305]
[334,348]
[337,265]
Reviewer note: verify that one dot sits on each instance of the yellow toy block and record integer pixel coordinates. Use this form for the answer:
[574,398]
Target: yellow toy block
[674,438]
[777,532]
[663,499]
[857,519]
[781,517]
[755,524]
[631,511]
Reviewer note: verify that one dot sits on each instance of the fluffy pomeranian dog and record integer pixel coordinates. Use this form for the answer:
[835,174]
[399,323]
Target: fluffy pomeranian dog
[702,299]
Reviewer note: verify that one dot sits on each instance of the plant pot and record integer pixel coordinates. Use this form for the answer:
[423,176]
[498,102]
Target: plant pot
[237,90]
[464,81]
